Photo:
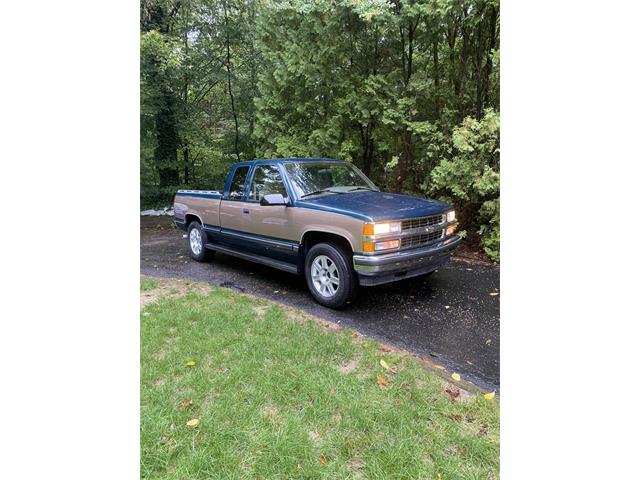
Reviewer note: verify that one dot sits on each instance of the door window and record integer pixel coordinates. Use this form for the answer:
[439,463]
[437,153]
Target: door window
[266,180]
[236,190]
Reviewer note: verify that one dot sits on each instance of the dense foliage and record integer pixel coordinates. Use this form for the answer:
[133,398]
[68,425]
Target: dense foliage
[407,90]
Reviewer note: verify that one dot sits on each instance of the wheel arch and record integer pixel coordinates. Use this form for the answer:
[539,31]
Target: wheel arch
[190,217]
[312,237]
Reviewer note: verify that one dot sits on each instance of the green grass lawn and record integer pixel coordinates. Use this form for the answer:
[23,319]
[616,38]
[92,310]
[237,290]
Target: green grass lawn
[278,395]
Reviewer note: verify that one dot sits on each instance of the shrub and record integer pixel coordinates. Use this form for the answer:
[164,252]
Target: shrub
[471,177]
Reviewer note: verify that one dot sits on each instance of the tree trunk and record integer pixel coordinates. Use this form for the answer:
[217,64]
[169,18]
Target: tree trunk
[405,162]
[166,151]
[186,164]
[436,75]
[228,65]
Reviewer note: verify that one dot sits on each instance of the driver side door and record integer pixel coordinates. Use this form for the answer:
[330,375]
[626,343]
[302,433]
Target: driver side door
[269,226]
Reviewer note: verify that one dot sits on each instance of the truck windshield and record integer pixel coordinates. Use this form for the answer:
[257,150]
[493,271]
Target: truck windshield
[311,178]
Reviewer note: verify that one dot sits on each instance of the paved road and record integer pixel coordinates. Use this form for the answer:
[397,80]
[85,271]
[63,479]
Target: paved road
[449,313]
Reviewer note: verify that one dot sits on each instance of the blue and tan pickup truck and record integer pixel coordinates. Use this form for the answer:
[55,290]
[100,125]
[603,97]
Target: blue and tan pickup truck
[320,218]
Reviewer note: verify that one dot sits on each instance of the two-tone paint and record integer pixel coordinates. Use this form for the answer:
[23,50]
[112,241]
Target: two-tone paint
[278,235]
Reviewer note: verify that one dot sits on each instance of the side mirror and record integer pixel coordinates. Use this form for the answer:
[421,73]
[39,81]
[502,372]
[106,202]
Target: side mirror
[273,199]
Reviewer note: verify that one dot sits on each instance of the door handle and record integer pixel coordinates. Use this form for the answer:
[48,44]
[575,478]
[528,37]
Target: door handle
[245,210]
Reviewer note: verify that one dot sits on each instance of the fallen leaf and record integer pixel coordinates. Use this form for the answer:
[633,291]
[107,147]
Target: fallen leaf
[193,423]
[434,354]
[385,349]
[489,395]
[493,294]
[392,371]
[455,376]
[405,386]
[453,392]
[276,291]
[439,367]
[469,362]
[488,342]
[455,417]
[323,460]
[382,381]
[447,307]
[187,403]
[384,364]
[191,363]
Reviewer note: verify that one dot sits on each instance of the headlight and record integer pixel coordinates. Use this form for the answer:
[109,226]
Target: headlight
[382,228]
[451,216]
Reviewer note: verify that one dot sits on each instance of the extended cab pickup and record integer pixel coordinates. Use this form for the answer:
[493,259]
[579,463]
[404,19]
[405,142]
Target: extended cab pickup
[320,218]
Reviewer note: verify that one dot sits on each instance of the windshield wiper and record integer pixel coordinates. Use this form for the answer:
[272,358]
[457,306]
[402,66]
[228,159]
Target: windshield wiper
[361,188]
[318,192]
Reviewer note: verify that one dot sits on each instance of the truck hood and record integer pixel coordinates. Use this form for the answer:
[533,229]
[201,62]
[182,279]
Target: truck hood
[376,205]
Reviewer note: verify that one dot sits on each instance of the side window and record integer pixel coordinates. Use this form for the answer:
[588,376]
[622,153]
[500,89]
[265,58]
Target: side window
[266,180]
[236,190]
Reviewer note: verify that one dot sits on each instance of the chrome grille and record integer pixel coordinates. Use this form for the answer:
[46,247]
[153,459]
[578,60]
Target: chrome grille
[411,223]
[416,240]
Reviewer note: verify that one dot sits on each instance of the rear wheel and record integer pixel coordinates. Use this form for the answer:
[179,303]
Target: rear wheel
[197,238]
[329,275]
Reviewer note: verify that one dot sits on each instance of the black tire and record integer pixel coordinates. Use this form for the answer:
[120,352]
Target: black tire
[203,254]
[347,282]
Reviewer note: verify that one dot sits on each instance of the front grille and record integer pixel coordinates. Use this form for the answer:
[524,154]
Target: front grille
[422,222]
[417,240]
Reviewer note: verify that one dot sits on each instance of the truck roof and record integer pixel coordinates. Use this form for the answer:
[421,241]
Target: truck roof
[262,161]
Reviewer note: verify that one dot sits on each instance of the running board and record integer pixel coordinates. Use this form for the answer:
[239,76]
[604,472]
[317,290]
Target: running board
[270,262]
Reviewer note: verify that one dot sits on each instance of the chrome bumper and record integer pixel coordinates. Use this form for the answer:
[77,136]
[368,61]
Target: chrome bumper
[390,267]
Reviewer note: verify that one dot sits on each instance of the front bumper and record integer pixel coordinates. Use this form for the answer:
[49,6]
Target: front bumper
[391,267]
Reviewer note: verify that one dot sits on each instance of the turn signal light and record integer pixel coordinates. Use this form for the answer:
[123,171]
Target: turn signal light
[368,229]
[387,245]
[368,247]
[451,229]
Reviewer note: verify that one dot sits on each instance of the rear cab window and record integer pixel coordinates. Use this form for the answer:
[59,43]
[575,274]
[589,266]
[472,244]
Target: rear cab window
[236,189]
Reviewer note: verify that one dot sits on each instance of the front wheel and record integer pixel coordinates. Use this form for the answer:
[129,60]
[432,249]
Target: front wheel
[329,275]
[197,239]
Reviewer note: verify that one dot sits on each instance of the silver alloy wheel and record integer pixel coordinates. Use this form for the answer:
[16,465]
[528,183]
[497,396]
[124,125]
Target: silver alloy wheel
[195,240]
[324,275]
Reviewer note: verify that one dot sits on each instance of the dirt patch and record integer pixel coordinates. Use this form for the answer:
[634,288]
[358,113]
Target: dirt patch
[314,437]
[349,366]
[300,316]
[171,288]
[260,310]
[456,394]
[160,354]
[270,411]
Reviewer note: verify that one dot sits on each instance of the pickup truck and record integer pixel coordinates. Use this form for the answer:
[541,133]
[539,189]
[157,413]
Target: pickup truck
[321,218]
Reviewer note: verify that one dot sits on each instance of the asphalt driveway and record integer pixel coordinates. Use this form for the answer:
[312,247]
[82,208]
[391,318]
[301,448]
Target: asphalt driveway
[449,316]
